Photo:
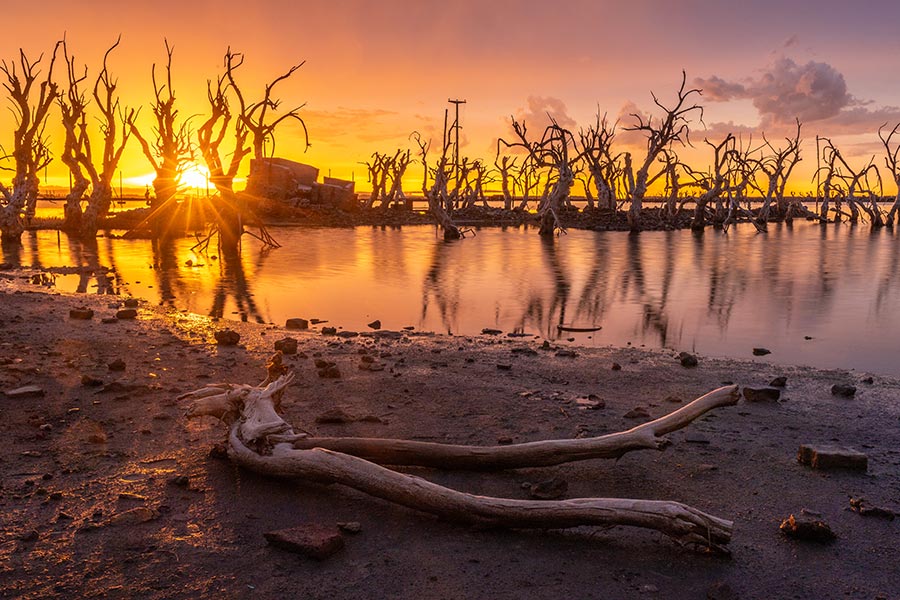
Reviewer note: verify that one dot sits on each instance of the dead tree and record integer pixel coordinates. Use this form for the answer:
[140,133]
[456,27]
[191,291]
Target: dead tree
[171,150]
[891,153]
[440,202]
[397,169]
[210,135]
[30,152]
[715,182]
[259,439]
[554,151]
[856,182]
[506,168]
[256,116]
[672,129]
[78,154]
[777,167]
[378,173]
[604,167]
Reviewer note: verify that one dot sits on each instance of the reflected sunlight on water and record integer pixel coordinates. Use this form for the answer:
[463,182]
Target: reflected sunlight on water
[717,294]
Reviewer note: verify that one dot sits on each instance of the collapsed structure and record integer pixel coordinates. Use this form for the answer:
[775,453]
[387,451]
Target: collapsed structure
[295,184]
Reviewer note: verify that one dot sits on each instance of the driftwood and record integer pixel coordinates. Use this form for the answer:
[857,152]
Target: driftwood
[260,440]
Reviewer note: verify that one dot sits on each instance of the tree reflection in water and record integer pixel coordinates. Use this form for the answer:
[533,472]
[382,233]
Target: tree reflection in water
[232,282]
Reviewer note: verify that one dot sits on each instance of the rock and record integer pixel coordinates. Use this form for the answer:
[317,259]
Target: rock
[649,588]
[550,489]
[688,360]
[329,330]
[347,334]
[673,399]
[296,323]
[331,372]
[312,539]
[25,391]
[488,331]
[180,481]
[779,382]
[376,324]
[696,438]
[286,345]
[504,367]
[371,366]
[721,591]
[334,416]
[524,351]
[807,528]
[504,440]
[843,390]
[761,351]
[857,506]
[131,303]
[127,313]
[89,381]
[350,526]
[322,363]
[139,514]
[29,536]
[227,337]
[868,380]
[590,402]
[616,366]
[116,365]
[638,412]
[566,353]
[832,457]
[81,314]
[766,394]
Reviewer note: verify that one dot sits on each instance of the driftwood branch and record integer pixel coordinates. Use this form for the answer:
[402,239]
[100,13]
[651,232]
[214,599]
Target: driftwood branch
[260,440]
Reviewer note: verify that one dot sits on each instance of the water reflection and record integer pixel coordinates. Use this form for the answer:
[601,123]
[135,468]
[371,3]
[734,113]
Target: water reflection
[717,293]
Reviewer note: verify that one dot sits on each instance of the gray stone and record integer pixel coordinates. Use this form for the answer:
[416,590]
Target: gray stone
[286,345]
[761,394]
[312,539]
[81,314]
[297,324]
[25,391]
[843,390]
[227,337]
[688,360]
[832,457]
[779,382]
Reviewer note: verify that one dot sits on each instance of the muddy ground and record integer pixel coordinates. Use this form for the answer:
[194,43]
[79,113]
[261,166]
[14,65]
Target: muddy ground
[78,460]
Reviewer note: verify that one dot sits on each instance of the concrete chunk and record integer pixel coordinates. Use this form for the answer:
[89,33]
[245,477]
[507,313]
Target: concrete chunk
[832,457]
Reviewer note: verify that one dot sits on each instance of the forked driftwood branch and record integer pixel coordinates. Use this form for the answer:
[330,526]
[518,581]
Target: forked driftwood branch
[260,440]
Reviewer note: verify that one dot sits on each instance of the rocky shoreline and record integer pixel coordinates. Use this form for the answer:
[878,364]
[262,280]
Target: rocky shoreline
[108,491]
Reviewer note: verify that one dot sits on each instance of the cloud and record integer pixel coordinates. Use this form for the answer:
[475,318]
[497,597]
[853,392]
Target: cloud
[786,91]
[540,110]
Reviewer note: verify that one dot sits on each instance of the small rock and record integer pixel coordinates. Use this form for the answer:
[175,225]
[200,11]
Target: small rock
[329,331]
[139,514]
[688,360]
[488,331]
[778,382]
[673,399]
[566,353]
[807,528]
[843,390]
[334,416]
[313,540]
[350,526]
[131,303]
[766,394]
[504,367]
[696,438]
[376,324]
[550,489]
[761,351]
[504,440]
[347,334]
[322,363]
[81,314]
[649,588]
[109,320]
[638,412]
[286,345]
[832,457]
[296,323]
[89,381]
[25,391]
[590,402]
[857,505]
[127,313]
[29,536]
[180,481]
[227,337]
[868,380]
[116,365]
[330,373]
[616,366]
[218,451]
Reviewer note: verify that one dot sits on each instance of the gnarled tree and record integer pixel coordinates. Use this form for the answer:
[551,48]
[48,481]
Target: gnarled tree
[30,152]
[777,167]
[671,129]
[891,152]
[440,201]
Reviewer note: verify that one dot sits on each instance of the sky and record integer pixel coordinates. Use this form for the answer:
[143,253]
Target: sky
[376,71]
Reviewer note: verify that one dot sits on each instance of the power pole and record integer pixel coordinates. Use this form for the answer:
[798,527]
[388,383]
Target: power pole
[456,102]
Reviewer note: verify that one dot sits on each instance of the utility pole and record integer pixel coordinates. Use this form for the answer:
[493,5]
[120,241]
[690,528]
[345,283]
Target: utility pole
[456,102]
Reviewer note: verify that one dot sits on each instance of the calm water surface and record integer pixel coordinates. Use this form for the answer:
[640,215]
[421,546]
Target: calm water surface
[717,294]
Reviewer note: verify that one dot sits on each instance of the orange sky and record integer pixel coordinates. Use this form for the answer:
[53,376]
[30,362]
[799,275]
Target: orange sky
[377,71]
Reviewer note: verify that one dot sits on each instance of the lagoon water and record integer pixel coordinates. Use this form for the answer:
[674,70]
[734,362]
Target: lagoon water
[827,296]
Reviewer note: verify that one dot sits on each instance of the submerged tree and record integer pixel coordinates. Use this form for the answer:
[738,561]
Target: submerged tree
[603,165]
[171,150]
[30,152]
[440,201]
[891,151]
[670,130]
[777,166]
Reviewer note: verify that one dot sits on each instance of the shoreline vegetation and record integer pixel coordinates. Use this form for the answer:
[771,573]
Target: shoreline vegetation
[107,471]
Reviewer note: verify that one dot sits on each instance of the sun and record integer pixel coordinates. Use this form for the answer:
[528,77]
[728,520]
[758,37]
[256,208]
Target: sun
[195,176]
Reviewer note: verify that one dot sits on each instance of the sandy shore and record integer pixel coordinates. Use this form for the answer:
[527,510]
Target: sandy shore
[108,491]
